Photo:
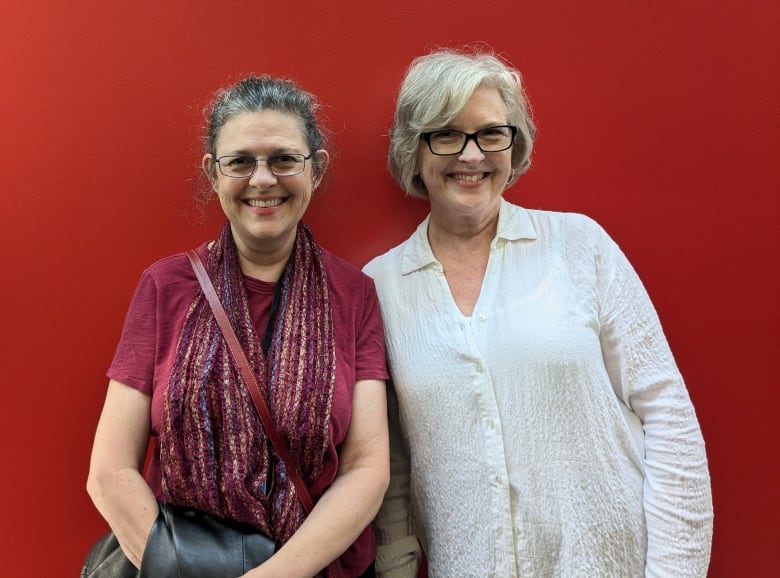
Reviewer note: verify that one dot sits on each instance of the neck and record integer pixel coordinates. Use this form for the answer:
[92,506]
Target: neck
[268,271]
[264,261]
[461,236]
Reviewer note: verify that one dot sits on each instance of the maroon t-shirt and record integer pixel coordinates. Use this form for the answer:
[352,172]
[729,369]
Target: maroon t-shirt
[147,348]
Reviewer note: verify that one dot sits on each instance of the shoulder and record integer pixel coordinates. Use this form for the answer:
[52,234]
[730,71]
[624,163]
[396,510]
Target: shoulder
[350,287]
[167,266]
[352,293]
[563,223]
[174,267]
[387,263]
[341,271]
[169,281]
[567,230]
[578,242]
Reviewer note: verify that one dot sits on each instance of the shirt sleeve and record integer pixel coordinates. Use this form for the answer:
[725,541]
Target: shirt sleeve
[134,358]
[677,495]
[370,358]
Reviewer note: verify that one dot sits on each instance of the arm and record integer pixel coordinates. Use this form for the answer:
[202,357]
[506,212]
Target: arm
[677,498]
[398,549]
[115,483]
[351,502]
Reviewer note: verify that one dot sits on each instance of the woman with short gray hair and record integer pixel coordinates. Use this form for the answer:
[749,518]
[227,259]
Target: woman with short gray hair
[539,424]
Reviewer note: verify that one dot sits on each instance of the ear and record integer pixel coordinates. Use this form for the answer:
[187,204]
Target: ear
[210,169]
[320,163]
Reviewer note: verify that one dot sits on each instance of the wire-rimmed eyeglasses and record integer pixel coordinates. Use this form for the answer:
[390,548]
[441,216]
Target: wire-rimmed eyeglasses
[244,166]
[491,139]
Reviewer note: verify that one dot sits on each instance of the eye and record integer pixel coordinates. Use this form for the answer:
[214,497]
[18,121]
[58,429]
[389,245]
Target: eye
[284,161]
[446,136]
[240,161]
[284,158]
[494,132]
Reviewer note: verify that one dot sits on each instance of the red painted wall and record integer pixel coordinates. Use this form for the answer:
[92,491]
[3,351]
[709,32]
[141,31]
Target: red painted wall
[659,119]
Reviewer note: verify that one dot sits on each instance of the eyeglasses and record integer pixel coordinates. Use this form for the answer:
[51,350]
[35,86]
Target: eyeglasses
[492,139]
[243,166]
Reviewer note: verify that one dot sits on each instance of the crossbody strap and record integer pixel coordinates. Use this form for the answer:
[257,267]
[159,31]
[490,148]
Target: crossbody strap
[250,379]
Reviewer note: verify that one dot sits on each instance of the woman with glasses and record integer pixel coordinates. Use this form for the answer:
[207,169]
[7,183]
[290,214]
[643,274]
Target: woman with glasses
[540,426]
[310,324]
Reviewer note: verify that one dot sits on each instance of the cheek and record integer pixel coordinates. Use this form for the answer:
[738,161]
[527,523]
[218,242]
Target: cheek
[227,193]
[304,196]
[506,167]
[420,161]
[304,188]
[430,170]
[225,203]
[227,187]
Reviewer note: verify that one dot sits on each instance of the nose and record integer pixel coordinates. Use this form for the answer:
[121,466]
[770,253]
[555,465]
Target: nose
[262,177]
[471,152]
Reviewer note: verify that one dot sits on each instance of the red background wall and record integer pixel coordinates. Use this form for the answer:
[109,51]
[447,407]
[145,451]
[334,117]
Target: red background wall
[658,118]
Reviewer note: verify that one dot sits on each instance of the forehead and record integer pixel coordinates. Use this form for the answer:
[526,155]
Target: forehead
[485,105]
[265,128]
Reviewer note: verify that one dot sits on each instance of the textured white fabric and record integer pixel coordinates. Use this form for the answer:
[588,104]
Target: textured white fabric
[551,433]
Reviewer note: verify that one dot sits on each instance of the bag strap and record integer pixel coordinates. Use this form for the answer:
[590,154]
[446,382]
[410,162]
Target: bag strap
[250,379]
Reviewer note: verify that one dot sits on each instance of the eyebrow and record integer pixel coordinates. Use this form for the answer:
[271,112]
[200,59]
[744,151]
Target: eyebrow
[482,126]
[248,153]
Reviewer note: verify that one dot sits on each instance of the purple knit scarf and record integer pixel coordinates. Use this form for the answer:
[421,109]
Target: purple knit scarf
[214,453]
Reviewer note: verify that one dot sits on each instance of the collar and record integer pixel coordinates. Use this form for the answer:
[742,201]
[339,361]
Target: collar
[514,223]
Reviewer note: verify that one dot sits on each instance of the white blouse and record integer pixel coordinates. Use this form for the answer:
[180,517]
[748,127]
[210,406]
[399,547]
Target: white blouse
[549,434]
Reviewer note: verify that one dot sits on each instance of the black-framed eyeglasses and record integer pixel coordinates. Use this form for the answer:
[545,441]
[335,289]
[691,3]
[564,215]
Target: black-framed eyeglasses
[491,139]
[243,166]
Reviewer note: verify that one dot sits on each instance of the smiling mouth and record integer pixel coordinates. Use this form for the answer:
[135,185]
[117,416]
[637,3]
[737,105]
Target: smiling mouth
[468,177]
[265,203]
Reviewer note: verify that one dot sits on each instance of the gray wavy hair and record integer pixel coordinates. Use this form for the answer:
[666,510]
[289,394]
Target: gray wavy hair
[257,93]
[434,90]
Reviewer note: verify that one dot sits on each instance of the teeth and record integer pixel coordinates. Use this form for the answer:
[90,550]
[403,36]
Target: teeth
[470,177]
[265,202]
